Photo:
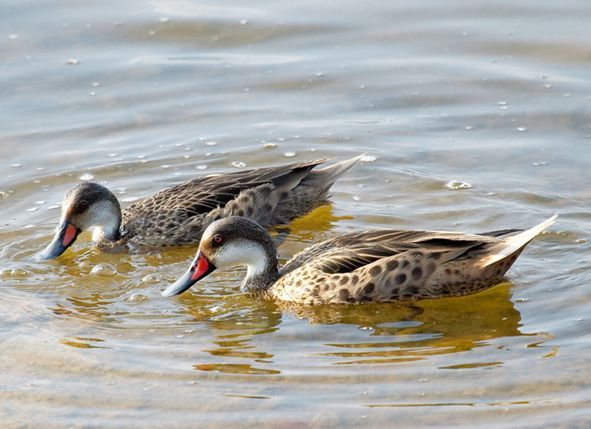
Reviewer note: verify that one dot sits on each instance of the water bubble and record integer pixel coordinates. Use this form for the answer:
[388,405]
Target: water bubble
[137,298]
[16,165]
[86,176]
[72,61]
[540,163]
[356,198]
[270,145]
[368,158]
[468,127]
[238,164]
[211,143]
[151,278]
[164,19]
[458,184]
[289,154]
[521,129]
[103,269]
[243,22]
[13,36]
[201,167]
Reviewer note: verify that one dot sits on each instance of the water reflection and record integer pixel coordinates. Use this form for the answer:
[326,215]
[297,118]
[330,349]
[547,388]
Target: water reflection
[233,326]
[400,332]
[390,333]
[83,343]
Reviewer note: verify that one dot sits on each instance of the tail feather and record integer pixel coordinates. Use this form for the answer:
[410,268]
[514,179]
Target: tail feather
[512,244]
[328,175]
[289,181]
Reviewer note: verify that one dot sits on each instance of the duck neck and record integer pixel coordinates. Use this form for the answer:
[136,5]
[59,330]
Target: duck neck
[262,270]
[110,234]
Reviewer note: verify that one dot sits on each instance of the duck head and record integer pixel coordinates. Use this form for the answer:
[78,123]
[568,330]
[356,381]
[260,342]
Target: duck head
[230,242]
[87,205]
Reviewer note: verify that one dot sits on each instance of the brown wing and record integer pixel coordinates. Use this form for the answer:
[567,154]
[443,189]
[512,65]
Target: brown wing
[349,252]
[178,204]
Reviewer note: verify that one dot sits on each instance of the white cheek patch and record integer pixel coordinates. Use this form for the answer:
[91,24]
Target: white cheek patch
[103,219]
[243,253]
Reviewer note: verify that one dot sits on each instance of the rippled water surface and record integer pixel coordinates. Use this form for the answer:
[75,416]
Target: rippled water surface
[474,116]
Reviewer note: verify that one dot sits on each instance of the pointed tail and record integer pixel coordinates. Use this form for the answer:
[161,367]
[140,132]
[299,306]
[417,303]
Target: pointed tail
[512,244]
[329,175]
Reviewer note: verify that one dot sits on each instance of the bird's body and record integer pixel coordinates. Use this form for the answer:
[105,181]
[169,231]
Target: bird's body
[179,215]
[375,266]
[391,266]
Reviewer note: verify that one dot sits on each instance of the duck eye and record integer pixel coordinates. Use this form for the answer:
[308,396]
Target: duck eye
[217,239]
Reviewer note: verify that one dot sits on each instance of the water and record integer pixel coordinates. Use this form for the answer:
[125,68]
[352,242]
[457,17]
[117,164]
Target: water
[473,116]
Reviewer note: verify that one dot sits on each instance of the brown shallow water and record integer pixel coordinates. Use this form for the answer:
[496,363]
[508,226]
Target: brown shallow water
[143,95]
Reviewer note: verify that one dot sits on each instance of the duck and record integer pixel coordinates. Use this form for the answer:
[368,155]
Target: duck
[369,266]
[178,215]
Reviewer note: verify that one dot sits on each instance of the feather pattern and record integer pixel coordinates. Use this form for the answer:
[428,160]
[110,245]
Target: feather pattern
[397,265]
[178,215]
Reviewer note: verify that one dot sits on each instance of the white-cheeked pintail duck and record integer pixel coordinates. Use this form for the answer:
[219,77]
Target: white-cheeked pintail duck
[179,215]
[373,266]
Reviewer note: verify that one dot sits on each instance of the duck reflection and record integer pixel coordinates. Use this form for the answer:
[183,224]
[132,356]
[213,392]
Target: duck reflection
[234,324]
[381,334]
[400,332]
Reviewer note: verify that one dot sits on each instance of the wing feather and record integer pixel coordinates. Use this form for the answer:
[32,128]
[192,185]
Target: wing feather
[353,251]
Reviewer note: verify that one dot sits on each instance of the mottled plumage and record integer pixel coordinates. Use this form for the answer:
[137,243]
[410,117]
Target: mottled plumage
[178,215]
[366,266]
